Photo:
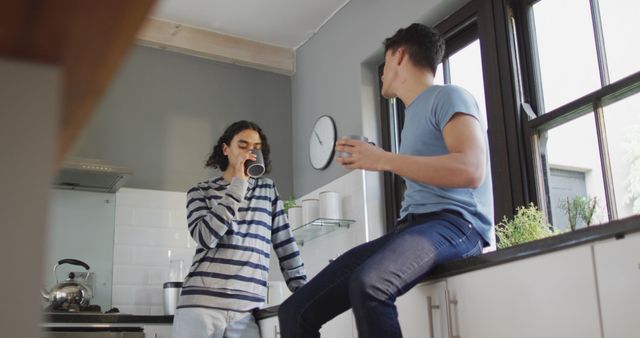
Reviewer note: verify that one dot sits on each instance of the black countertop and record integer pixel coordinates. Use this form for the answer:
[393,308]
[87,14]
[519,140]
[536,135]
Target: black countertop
[617,229]
[104,318]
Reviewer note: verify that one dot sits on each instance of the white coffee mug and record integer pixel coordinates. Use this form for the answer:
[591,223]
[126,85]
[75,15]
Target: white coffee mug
[330,205]
[309,210]
[353,137]
[295,216]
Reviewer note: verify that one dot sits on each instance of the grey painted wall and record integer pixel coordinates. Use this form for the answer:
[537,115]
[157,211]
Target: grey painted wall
[164,111]
[336,75]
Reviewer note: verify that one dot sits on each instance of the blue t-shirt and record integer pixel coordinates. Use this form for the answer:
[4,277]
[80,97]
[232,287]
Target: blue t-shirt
[422,135]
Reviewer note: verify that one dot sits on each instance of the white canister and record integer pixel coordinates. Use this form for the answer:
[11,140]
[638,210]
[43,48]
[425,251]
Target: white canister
[295,216]
[330,205]
[309,210]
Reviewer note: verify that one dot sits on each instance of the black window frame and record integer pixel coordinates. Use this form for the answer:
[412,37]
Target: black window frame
[521,16]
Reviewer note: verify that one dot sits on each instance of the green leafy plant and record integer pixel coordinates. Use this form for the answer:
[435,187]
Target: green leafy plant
[579,207]
[527,225]
[291,202]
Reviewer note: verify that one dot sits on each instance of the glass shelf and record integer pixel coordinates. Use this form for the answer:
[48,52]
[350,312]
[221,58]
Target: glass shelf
[319,227]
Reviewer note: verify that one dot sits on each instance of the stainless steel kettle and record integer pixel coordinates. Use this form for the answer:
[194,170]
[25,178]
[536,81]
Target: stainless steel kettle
[70,295]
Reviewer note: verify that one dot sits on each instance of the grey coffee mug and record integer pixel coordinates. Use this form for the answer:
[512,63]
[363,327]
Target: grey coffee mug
[353,137]
[255,168]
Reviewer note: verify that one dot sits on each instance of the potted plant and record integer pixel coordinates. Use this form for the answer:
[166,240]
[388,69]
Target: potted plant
[579,207]
[527,225]
[291,202]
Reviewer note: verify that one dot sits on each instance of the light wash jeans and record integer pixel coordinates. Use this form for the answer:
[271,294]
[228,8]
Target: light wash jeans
[369,277]
[199,322]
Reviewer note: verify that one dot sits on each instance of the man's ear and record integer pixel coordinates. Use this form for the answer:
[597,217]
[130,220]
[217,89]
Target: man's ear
[225,149]
[400,55]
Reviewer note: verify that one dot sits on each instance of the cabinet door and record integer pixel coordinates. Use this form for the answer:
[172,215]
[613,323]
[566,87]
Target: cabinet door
[422,311]
[157,331]
[551,295]
[269,327]
[341,326]
[618,272]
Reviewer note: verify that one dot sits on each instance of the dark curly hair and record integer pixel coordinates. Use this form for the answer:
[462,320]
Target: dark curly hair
[424,45]
[218,159]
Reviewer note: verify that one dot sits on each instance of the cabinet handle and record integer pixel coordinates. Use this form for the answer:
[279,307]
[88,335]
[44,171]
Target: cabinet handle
[449,303]
[276,332]
[430,308]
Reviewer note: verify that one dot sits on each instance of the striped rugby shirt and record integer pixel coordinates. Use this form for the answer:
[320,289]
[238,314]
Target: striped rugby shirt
[234,225]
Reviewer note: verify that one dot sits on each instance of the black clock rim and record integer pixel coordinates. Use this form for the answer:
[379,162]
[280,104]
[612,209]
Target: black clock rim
[333,146]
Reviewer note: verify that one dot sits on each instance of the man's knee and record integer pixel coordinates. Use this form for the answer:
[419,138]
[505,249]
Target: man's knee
[364,284]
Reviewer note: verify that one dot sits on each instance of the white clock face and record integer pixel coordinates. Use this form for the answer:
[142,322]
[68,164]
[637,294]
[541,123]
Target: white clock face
[322,142]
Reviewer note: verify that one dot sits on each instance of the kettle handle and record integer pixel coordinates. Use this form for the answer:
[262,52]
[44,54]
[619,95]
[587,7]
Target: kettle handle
[72,262]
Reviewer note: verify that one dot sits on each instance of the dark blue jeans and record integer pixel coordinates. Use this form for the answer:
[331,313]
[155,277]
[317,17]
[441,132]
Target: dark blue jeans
[369,277]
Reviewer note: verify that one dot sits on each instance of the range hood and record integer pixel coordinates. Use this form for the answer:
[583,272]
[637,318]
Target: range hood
[91,175]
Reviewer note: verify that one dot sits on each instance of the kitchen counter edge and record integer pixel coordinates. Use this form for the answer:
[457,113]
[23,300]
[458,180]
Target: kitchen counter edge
[105,318]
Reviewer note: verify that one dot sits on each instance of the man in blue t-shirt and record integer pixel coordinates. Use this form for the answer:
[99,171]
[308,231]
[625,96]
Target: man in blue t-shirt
[447,211]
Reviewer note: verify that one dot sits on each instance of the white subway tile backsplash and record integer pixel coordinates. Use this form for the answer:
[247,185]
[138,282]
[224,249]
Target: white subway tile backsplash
[157,296]
[179,218]
[150,256]
[154,237]
[157,276]
[156,310]
[142,295]
[122,256]
[154,218]
[123,295]
[124,216]
[151,229]
[130,275]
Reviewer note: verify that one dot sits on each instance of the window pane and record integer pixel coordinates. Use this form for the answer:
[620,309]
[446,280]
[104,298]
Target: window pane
[620,25]
[622,120]
[439,78]
[567,52]
[574,170]
[466,71]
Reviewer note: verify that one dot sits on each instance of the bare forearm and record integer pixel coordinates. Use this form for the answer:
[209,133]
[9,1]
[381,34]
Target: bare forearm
[453,170]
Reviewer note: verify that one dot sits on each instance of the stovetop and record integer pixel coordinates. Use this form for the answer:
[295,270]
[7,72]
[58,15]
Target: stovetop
[89,309]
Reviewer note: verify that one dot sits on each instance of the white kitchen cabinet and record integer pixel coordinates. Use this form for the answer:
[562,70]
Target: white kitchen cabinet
[157,331]
[342,326]
[551,295]
[269,327]
[422,311]
[618,272]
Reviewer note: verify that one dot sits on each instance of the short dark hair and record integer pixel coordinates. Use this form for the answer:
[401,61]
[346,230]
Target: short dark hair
[218,159]
[424,45]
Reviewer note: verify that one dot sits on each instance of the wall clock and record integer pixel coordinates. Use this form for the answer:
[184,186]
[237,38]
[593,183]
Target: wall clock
[322,142]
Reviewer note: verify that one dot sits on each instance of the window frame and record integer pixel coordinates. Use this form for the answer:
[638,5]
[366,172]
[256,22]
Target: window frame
[594,102]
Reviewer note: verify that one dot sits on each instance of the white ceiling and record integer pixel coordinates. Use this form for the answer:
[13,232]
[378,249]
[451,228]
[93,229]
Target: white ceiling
[285,23]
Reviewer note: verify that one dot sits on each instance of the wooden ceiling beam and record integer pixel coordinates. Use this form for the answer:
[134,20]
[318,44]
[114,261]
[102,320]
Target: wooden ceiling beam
[211,45]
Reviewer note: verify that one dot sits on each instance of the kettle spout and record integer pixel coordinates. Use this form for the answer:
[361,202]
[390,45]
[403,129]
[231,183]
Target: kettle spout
[45,294]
